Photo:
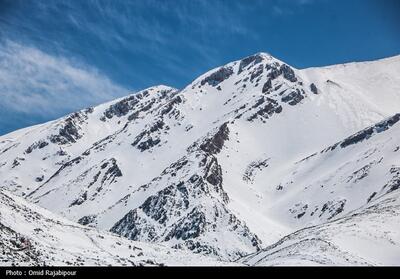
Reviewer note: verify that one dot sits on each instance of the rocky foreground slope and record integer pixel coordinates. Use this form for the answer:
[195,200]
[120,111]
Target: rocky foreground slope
[30,235]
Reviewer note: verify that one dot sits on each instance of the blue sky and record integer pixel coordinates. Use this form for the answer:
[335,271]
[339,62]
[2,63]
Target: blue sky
[59,56]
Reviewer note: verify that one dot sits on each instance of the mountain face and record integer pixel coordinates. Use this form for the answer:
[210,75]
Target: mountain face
[245,154]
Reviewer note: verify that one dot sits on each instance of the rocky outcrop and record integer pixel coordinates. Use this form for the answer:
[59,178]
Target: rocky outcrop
[366,133]
[177,213]
[269,108]
[36,145]
[294,97]
[214,144]
[69,131]
[254,59]
[217,77]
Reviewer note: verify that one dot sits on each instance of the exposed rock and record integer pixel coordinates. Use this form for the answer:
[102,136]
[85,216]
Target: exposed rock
[257,72]
[258,102]
[267,86]
[267,111]
[288,73]
[69,131]
[148,144]
[122,107]
[133,116]
[255,59]
[170,105]
[36,145]
[79,200]
[39,178]
[149,138]
[112,172]
[293,98]
[214,144]
[274,71]
[17,161]
[87,220]
[313,88]
[253,167]
[394,182]
[367,133]
[189,227]
[333,208]
[219,76]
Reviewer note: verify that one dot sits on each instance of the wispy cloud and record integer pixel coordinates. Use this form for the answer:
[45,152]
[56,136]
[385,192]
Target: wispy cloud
[289,7]
[130,25]
[35,83]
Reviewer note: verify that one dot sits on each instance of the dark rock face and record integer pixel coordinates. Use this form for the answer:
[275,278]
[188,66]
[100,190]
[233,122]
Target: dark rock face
[271,107]
[170,105]
[147,105]
[253,167]
[294,97]
[130,228]
[149,143]
[150,136]
[135,104]
[360,173]
[217,77]
[371,197]
[257,72]
[36,145]
[167,203]
[121,108]
[87,220]
[109,173]
[213,175]
[174,167]
[69,132]
[112,172]
[255,59]
[39,178]
[192,226]
[394,182]
[313,88]
[214,144]
[133,116]
[163,201]
[288,73]
[274,71]
[333,208]
[259,102]
[79,200]
[17,161]
[267,86]
[367,133]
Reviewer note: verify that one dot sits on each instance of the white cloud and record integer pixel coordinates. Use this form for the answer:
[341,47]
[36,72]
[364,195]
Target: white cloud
[36,83]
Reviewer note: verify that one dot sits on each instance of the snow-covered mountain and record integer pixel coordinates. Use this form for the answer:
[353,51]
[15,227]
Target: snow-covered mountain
[244,155]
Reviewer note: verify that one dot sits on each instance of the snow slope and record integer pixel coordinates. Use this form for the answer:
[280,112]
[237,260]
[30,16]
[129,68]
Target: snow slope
[221,167]
[368,236]
[51,240]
